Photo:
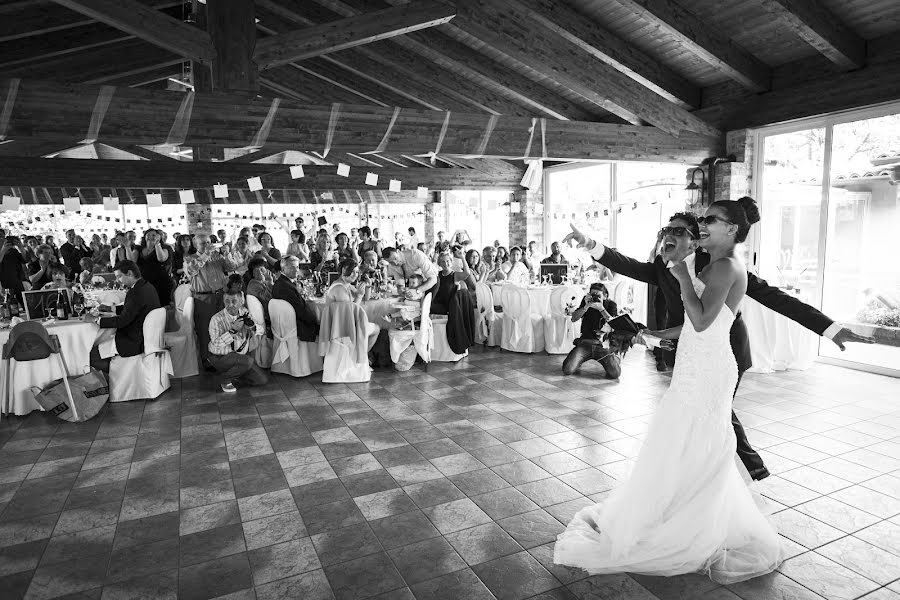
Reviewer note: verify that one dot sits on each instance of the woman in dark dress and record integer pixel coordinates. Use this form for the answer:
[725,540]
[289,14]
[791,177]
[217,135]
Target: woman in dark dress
[183,248]
[268,252]
[155,262]
[447,284]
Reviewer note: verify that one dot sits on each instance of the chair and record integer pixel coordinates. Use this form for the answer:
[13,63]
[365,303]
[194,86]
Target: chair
[422,338]
[182,344]
[289,354]
[260,345]
[523,331]
[182,292]
[343,341]
[489,324]
[29,341]
[559,330]
[146,375]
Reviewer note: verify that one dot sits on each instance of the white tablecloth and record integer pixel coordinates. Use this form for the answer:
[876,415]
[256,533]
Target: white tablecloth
[776,342]
[76,339]
[376,310]
[540,297]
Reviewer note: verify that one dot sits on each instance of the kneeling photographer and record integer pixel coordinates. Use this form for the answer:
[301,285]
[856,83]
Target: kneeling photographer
[589,346]
[230,332]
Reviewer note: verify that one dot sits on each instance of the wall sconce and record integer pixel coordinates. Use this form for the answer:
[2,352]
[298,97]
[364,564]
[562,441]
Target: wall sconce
[695,190]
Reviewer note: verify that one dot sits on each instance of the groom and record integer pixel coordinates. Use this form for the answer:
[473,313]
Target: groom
[680,241]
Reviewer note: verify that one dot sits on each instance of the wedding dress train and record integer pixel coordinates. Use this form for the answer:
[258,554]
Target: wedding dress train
[685,508]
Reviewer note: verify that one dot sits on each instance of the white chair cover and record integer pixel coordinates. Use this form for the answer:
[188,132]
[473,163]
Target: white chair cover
[559,330]
[145,376]
[342,354]
[182,344]
[488,324]
[422,338]
[290,355]
[523,331]
[182,293]
[260,345]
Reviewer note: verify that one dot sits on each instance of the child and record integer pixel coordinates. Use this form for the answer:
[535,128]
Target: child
[414,291]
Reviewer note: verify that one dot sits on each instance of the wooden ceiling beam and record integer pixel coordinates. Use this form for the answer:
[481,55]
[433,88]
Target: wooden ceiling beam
[148,24]
[51,110]
[348,33]
[822,30]
[613,50]
[506,28]
[79,173]
[669,17]
[73,41]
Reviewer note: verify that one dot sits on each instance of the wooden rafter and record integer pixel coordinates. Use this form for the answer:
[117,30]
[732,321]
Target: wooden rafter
[146,117]
[148,24]
[348,33]
[690,31]
[822,30]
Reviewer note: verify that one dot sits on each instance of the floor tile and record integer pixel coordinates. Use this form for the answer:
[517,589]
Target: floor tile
[483,543]
[283,560]
[515,577]
[363,577]
[456,515]
[426,559]
[403,529]
[827,577]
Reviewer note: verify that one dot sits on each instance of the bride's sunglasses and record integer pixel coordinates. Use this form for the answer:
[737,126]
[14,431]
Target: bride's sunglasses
[710,219]
[676,231]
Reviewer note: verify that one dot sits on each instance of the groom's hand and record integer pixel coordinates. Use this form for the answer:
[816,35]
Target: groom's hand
[846,335]
[582,239]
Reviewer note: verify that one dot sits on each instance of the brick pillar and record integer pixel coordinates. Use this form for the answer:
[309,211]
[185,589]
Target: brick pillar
[527,225]
[428,234]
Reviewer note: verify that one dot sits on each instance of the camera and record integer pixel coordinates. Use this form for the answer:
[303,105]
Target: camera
[247,320]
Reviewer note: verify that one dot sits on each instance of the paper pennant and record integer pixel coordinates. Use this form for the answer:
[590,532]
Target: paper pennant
[255,184]
[394,185]
[296,171]
[515,207]
[110,203]
[421,192]
[220,190]
[187,196]
[154,200]
[11,203]
[371,179]
[343,170]
[72,203]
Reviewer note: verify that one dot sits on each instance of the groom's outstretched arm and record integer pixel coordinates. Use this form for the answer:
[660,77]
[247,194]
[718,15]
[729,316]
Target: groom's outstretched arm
[624,265]
[790,306]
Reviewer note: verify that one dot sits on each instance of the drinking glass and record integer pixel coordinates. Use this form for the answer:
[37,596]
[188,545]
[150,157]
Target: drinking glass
[79,309]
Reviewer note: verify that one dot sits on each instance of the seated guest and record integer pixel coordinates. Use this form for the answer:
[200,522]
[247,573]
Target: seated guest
[323,258]
[345,288]
[588,345]
[367,242]
[287,288]
[492,263]
[371,270]
[29,253]
[478,268]
[414,287]
[259,282]
[139,301]
[297,247]
[88,268]
[58,274]
[556,257]
[267,251]
[39,269]
[514,269]
[344,250]
[230,332]
[241,254]
[447,284]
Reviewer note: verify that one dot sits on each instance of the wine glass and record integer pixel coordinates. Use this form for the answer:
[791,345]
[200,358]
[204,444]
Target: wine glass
[79,308]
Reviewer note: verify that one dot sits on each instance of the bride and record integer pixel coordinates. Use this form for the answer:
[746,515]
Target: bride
[686,507]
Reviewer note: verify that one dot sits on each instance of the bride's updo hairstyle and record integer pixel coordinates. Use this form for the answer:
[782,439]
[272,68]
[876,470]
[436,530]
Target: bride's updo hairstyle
[743,212]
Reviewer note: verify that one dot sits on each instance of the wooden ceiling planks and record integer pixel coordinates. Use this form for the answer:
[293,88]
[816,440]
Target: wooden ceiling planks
[821,29]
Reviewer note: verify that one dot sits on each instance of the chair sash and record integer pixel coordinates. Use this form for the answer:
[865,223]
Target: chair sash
[284,329]
[154,338]
[182,292]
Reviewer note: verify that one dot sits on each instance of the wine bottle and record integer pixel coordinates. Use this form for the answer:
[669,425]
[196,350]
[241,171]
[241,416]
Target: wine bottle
[61,312]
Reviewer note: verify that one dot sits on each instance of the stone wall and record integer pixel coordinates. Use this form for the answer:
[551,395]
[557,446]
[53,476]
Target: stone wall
[527,225]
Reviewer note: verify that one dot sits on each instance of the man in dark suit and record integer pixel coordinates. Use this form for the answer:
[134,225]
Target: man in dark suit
[680,241]
[72,254]
[129,325]
[287,288]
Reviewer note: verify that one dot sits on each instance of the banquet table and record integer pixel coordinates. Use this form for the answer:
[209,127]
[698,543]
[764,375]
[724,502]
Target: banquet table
[76,339]
[539,294]
[776,342]
[376,310]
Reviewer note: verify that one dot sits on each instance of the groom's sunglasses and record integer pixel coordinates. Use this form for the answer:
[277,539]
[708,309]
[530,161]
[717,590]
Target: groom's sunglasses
[677,231]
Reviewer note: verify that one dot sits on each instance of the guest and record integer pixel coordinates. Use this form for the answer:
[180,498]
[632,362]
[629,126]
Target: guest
[371,270]
[72,252]
[48,239]
[230,332]
[241,254]
[413,238]
[297,247]
[345,287]
[39,269]
[155,263]
[502,254]
[129,325]
[88,269]
[491,265]
[514,269]
[287,288]
[205,270]
[223,239]
[588,346]
[323,258]
[252,240]
[367,242]
[376,237]
[58,278]
[183,248]
[259,280]
[354,237]
[556,257]
[344,250]
[447,284]
[436,250]
[412,261]
[125,250]
[12,267]
[29,253]
[267,251]
[478,268]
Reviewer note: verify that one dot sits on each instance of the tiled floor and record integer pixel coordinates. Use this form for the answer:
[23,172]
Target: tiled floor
[450,482]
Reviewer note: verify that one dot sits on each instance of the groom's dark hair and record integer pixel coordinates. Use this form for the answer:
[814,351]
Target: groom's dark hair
[691,220]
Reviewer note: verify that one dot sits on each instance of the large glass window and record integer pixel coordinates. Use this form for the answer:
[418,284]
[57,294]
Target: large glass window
[484,216]
[834,244]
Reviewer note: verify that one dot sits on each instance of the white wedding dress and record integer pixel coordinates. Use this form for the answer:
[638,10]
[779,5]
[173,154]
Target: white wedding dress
[686,508]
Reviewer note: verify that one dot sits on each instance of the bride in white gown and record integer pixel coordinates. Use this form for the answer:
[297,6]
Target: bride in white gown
[686,507]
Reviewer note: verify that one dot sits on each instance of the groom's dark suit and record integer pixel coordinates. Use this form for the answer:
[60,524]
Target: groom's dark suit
[658,274]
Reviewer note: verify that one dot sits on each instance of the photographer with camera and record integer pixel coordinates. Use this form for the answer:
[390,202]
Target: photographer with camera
[230,332]
[589,346]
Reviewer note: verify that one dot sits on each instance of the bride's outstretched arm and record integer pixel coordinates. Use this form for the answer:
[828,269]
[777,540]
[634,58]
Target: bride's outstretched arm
[703,311]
